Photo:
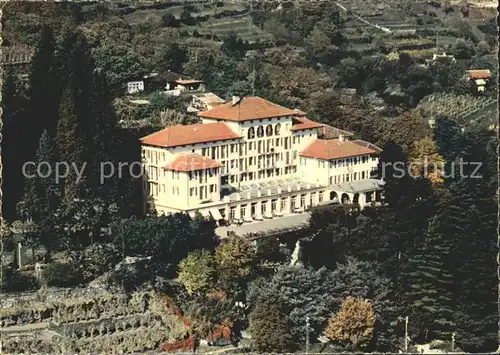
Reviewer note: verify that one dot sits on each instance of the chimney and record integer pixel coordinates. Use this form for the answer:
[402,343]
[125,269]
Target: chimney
[236,99]
[341,137]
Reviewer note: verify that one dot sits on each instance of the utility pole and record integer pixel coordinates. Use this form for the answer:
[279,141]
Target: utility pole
[253,80]
[406,334]
[307,335]
[19,256]
[453,342]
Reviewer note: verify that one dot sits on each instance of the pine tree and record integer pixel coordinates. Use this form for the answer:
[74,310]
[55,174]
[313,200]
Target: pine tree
[430,280]
[269,328]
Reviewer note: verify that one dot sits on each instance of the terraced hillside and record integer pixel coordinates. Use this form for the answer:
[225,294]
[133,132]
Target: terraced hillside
[217,20]
[83,321]
[465,109]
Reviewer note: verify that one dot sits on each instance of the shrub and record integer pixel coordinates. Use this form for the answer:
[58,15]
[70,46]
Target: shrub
[169,20]
[97,259]
[62,275]
[16,281]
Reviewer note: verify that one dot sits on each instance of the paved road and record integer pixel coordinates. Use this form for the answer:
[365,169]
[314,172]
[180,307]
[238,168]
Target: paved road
[291,221]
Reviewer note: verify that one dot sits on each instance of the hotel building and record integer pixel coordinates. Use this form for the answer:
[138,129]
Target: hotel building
[251,159]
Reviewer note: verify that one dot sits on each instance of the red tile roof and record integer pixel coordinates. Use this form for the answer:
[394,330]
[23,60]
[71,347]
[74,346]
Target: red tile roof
[334,149]
[479,74]
[191,162]
[191,134]
[304,123]
[247,109]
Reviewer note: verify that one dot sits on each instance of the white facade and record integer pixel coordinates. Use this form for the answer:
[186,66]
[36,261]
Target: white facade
[257,171]
[134,87]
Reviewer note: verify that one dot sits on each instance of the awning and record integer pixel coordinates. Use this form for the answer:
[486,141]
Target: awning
[192,214]
[216,214]
[205,213]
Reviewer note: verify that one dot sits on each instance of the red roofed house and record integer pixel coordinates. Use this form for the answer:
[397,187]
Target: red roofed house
[479,78]
[253,159]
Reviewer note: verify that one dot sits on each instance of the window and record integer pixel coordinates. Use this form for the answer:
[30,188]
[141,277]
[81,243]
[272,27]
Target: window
[277,142]
[273,205]
[277,129]
[303,201]
[244,210]
[362,175]
[320,196]
[260,132]
[346,177]
[269,130]
[233,148]
[259,147]
[283,204]
[203,151]
[250,145]
[355,176]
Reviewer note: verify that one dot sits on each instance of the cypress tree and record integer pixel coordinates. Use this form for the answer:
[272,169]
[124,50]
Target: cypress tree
[13,150]
[43,86]
[71,145]
[47,153]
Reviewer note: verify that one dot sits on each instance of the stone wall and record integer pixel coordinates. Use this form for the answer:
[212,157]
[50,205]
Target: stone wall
[90,322]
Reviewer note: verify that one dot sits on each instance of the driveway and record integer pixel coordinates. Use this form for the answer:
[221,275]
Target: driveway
[290,221]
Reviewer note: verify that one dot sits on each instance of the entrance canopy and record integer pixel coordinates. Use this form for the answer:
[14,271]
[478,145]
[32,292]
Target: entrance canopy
[216,214]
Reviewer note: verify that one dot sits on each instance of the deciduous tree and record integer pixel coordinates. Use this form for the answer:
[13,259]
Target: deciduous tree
[353,325]
[197,271]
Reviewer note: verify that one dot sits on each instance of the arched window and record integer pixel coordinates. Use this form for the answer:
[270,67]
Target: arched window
[260,132]
[251,133]
[277,129]
[269,130]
